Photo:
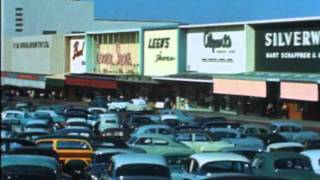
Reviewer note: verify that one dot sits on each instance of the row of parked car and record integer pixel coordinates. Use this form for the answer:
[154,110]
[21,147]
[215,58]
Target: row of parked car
[68,142]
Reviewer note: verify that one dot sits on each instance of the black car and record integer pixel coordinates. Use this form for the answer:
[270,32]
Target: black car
[30,150]
[271,138]
[9,144]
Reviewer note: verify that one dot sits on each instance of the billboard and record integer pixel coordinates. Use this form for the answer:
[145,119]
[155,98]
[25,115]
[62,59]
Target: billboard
[288,48]
[160,52]
[213,51]
[77,56]
[118,59]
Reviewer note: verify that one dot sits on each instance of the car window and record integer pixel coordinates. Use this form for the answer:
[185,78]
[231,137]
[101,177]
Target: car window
[292,163]
[285,129]
[72,145]
[257,163]
[144,141]
[226,166]
[201,137]
[223,134]
[164,131]
[251,131]
[184,137]
[110,121]
[160,142]
[153,130]
[263,131]
[45,144]
[296,129]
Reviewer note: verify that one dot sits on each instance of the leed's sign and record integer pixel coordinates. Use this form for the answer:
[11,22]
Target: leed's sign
[289,49]
[160,52]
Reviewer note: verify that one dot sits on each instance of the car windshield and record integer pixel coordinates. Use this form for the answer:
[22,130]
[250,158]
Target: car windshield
[226,166]
[27,173]
[72,145]
[143,170]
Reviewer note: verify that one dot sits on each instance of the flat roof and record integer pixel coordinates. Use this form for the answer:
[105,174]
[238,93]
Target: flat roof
[253,22]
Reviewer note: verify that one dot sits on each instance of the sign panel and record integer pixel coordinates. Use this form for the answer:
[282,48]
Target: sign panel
[299,91]
[210,51]
[288,48]
[77,56]
[118,58]
[31,54]
[160,52]
[240,87]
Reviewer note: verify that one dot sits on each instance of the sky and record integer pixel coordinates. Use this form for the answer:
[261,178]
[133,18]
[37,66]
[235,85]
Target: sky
[204,11]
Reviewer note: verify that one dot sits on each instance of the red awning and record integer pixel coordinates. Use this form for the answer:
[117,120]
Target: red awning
[299,91]
[94,83]
[240,87]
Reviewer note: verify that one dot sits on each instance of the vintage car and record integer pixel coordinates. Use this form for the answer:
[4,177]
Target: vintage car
[97,110]
[51,113]
[31,167]
[254,129]
[75,152]
[292,131]
[203,120]
[187,127]
[201,141]
[170,120]
[100,143]
[9,144]
[31,135]
[108,120]
[182,116]
[233,136]
[20,116]
[75,130]
[129,105]
[100,161]
[285,146]
[314,156]
[176,161]
[138,166]
[287,165]
[154,129]
[34,150]
[37,125]
[135,122]
[221,124]
[203,165]
[158,144]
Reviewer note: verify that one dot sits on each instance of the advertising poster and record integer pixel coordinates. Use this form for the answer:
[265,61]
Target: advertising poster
[77,56]
[210,51]
[118,59]
[160,52]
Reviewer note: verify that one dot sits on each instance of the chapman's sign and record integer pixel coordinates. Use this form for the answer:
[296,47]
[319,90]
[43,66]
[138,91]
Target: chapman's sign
[210,51]
[38,44]
[288,48]
[160,52]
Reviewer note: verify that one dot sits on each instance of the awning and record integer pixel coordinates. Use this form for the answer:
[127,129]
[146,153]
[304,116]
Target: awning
[187,77]
[240,87]
[92,80]
[23,80]
[299,91]
[274,76]
[56,80]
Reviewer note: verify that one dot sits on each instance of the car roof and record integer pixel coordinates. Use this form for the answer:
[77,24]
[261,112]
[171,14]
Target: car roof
[203,158]
[280,155]
[29,160]
[124,159]
[113,150]
[151,135]
[63,137]
[284,144]
[315,153]
[254,125]
[37,121]
[148,126]
[13,111]
[224,130]
[284,123]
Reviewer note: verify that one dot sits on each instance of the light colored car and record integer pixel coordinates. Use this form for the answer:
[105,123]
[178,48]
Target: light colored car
[235,137]
[292,131]
[285,146]
[129,105]
[14,114]
[182,116]
[158,144]
[138,166]
[97,110]
[77,122]
[55,117]
[203,165]
[154,129]
[107,121]
[252,129]
[314,156]
[37,125]
[202,141]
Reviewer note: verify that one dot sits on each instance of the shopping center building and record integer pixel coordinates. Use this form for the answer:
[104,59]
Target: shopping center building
[234,68]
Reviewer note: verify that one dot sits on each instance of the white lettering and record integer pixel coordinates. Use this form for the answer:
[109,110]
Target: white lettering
[281,40]
[268,40]
[288,37]
[315,37]
[306,38]
[297,38]
[275,39]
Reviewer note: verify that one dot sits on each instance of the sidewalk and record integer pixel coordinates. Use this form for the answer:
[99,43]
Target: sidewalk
[310,125]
